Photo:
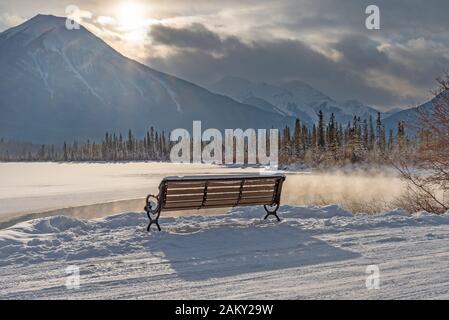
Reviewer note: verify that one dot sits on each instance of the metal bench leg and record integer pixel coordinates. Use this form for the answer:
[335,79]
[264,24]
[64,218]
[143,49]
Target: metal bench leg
[155,221]
[152,207]
[272,213]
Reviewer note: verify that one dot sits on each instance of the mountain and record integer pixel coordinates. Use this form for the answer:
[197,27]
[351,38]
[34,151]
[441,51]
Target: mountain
[58,84]
[410,117]
[293,98]
[283,101]
[359,109]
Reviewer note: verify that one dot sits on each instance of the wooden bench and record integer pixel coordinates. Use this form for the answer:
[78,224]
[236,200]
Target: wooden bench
[202,192]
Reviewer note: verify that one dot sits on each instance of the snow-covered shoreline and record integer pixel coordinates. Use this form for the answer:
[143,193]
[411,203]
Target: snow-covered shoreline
[315,252]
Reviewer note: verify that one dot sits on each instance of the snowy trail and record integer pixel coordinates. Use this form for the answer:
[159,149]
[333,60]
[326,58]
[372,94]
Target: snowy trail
[315,252]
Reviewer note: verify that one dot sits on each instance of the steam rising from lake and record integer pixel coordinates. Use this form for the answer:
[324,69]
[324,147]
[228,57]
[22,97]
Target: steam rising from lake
[358,191]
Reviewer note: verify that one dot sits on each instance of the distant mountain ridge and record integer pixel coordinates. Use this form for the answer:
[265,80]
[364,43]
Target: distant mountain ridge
[58,84]
[293,98]
[411,117]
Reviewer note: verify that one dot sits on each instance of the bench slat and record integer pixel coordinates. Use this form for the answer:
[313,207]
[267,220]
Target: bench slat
[231,183]
[175,198]
[237,189]
[223,190]
[210,206]
[262,188]
[258,200]
[184,191]
[260,182]
[184,185]
[213,196]
[261,200]
[180,205]
[221,202]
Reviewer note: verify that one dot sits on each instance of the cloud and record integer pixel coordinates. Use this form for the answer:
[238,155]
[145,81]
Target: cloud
[322,42]
[368,69]
[105,20]
[196,36]
[8,20]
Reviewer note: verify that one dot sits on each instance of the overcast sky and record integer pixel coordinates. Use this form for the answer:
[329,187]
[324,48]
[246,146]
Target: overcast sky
[322,42]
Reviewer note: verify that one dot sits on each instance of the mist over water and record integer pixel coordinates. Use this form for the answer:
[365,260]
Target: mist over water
[358,191]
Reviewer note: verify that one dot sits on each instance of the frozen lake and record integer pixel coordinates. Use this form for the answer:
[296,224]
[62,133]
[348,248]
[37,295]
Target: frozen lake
[30,188]
[92,190]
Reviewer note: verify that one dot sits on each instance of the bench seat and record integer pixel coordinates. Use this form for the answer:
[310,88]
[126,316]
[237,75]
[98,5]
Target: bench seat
[215,191]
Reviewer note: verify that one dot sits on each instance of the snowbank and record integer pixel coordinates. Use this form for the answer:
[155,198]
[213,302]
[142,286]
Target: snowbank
[68,238]
[201,250]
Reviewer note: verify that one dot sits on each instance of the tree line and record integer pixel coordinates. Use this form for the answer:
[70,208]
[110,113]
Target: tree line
[334,143]
[154,146]
[327,142]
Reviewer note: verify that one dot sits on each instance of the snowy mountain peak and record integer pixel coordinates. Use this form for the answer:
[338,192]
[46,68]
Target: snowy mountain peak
[36,26]
[299,85]
[46,31]
[294,98]
[42,21]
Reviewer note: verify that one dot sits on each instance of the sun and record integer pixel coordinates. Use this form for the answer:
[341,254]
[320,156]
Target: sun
[131,15]
[132,22]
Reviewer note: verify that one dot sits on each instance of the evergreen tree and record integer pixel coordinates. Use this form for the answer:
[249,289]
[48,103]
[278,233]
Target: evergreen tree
[321,136]
[65,153]
[297,138]
[401,135]
[371,134]
[332,136]
[379,134]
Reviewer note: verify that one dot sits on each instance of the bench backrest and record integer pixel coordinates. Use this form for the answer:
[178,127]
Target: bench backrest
[189,193]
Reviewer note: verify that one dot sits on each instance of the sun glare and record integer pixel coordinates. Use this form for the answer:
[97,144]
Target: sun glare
[131,21]
[131,15]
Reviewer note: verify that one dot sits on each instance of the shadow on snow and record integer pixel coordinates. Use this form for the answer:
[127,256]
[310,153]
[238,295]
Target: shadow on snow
[231,251]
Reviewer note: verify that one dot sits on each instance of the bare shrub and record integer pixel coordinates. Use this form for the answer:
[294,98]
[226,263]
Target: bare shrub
[426,169]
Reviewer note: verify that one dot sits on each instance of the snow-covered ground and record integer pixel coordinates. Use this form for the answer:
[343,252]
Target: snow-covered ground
[314,252]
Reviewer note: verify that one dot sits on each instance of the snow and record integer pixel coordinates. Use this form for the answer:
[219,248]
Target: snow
[35,27]
[170,92]
[314,252]
[41,70]
[78,74]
